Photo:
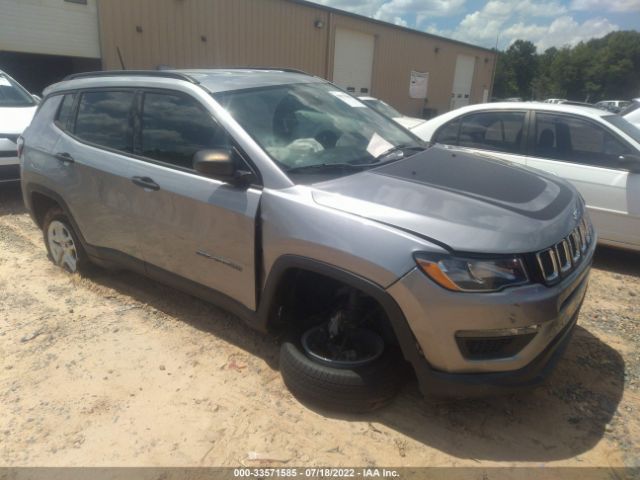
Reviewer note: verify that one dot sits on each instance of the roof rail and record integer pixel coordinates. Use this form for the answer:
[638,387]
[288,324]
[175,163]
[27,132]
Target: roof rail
[246,67]
[288,70]
[137,73]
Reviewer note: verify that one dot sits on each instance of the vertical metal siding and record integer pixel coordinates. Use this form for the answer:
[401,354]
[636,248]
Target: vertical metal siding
[211,33]
[398,52]
[279,33]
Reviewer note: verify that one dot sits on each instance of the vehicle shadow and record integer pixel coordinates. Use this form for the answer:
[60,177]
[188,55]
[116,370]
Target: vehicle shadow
[563,418]
[11,202]
[616,260]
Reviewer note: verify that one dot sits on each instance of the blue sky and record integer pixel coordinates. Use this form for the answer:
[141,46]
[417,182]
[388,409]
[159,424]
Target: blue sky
[547,23]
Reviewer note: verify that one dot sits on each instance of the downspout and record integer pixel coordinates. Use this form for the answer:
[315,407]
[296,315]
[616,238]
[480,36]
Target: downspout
[329,51]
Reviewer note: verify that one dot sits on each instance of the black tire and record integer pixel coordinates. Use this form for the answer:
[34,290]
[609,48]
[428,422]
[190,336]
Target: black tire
[83,264]
[356,390]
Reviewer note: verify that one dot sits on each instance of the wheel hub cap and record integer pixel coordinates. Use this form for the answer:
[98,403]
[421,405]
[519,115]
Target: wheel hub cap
[62,247]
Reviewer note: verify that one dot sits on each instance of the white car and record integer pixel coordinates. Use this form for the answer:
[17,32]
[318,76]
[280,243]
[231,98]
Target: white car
[615,106]
[631,113]
[597,151]
[17,107]
[387,110]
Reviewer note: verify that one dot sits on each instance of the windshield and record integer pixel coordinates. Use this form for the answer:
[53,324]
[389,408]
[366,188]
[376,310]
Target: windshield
[307,126]
[13,95]
[624,125]
[383,108]
[632,106]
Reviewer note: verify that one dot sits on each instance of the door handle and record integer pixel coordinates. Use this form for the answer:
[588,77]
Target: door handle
[145,182]
[64,157]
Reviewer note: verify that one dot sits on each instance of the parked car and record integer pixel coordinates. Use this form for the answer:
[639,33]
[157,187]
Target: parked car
[614,106]
[555,100]
[631,113]
[17,107]
[596,151]
[576,103]
[386,109]
[290,203]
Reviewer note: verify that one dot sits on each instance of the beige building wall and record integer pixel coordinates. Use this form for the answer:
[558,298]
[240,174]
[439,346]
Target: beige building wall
[279,33]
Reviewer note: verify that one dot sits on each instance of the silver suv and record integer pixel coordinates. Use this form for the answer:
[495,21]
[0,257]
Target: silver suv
[308,214]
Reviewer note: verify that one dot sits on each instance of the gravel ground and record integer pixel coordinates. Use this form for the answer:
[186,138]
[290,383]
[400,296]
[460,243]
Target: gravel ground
[116,369]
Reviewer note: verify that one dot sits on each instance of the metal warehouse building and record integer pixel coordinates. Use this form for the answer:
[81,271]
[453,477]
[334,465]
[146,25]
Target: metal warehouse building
[365,56]
[41,41]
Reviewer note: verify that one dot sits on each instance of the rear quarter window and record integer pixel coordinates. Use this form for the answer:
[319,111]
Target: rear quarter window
[448,134]
[65,115]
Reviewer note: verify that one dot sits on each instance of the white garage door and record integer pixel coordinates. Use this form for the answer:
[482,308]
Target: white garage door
[50,27]
[462,80]
[353,61]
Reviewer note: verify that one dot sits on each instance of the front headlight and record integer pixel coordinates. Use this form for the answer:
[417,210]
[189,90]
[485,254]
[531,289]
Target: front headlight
[474,274]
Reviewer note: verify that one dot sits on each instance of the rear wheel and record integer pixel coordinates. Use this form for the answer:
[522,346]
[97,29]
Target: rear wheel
[63,245]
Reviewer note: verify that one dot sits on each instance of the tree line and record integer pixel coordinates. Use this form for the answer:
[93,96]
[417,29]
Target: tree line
[606,68]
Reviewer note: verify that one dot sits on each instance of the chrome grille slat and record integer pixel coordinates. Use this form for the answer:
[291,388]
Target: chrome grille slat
[574,244]
[552,273]
[564,257]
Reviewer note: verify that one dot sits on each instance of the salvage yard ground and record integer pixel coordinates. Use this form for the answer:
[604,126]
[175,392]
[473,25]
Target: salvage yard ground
[116,369]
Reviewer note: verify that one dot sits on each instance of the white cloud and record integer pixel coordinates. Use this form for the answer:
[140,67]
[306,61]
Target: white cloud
[546,23]
[394,10]
[420,8]
[606,5]
[361,7]
[516,20]
[562,31]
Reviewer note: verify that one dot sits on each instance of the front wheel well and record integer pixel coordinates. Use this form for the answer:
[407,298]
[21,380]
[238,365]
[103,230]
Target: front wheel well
[304,298]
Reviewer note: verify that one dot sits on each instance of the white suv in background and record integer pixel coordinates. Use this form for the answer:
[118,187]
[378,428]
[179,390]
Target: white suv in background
[17,107]
[597,151]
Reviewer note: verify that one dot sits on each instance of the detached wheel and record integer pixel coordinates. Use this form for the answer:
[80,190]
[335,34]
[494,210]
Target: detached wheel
[63,245]
[357,382]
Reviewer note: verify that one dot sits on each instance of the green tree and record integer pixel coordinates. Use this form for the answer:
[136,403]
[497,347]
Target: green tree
[523,60]
[607,67]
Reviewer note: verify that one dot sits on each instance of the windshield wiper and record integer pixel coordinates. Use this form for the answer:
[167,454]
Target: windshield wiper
[398,148]
[323,167]
[378,161]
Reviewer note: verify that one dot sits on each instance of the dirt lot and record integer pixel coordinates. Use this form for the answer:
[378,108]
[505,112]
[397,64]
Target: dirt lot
[120,370]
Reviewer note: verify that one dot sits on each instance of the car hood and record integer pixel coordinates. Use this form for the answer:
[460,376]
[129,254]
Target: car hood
[14,120]
[460,201]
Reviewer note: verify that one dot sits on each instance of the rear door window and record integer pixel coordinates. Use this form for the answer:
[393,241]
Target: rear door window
[572,139]
[105,119]
[176,126]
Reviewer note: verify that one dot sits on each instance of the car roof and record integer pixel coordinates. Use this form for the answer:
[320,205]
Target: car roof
[214,80]
[551,107]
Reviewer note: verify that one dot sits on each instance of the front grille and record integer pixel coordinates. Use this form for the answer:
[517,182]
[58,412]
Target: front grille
[564,257]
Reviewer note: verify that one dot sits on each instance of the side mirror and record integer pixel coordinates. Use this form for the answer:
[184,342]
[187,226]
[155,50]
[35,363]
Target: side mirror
[220,164]
[630,162]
